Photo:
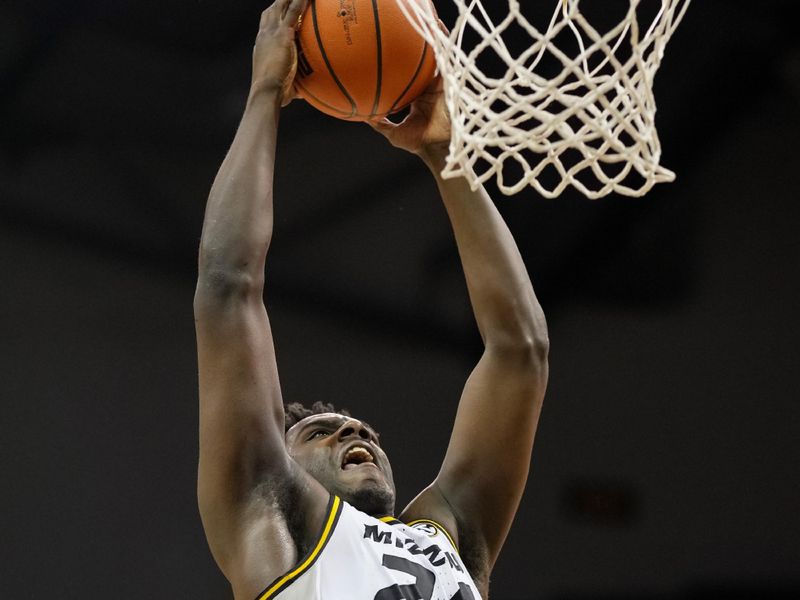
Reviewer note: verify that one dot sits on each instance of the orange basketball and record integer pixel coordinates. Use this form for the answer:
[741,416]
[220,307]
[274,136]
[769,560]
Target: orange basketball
[360,59]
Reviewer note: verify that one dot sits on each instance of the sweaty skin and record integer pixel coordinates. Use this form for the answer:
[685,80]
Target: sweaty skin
[330,447]
[263,492]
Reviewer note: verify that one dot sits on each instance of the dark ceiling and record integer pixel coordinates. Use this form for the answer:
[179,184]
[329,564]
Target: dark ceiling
[666,463]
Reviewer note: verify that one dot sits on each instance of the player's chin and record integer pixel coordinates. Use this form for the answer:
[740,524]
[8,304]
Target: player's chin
[368,489]
[372,497]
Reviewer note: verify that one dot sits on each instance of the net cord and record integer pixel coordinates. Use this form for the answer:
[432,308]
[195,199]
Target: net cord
[590,126]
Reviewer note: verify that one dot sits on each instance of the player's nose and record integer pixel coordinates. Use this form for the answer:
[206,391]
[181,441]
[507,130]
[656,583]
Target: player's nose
[353,428]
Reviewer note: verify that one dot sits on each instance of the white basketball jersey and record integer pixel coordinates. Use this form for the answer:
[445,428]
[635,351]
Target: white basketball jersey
[359,557]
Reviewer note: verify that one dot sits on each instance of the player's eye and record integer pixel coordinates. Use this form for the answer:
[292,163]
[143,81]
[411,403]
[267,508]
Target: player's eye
[318,433]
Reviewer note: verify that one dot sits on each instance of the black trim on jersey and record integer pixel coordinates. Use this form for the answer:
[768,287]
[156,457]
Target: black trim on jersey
[390,520]
[438,526]
[316,551]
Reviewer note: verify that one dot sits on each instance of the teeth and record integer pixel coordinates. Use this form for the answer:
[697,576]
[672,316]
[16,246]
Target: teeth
[360,454]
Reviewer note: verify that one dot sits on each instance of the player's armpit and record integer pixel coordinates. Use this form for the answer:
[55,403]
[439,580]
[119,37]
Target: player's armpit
[247,483]
[241,438]
[432,505]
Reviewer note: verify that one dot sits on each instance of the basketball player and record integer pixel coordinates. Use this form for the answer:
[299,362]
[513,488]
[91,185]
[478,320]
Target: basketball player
[309,513]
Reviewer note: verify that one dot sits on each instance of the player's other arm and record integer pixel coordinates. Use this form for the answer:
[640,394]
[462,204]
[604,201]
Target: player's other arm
[486,466]
[241,412]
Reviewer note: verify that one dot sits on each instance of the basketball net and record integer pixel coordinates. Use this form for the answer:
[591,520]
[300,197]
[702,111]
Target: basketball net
[573,107]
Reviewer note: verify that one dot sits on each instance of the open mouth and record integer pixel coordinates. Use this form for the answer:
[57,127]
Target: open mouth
[356,456]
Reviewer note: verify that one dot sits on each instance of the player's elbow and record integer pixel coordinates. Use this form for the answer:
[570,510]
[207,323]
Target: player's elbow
[531,350]
[228,266]
[538,340]
[521,332]
[221,285]
[536,346]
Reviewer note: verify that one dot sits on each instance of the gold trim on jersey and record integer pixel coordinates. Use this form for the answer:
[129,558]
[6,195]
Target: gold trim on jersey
[280,584]
[390,520]
[438,526]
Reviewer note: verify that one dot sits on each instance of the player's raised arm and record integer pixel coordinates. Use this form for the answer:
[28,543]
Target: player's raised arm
[486,465]
[241,412]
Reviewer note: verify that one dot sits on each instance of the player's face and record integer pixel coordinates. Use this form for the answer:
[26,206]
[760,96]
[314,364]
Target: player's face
[344,455]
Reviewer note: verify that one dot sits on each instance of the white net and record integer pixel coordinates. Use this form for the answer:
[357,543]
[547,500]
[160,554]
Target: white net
[569,103]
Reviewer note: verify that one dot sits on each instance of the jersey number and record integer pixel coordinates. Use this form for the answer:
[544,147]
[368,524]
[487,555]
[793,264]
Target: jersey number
[422,588]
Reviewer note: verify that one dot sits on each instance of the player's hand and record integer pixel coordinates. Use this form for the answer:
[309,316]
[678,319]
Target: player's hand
[426,127]
[275,54]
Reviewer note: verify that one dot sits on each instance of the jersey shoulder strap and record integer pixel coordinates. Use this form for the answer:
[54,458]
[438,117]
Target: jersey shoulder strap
[431,527]
[334,511]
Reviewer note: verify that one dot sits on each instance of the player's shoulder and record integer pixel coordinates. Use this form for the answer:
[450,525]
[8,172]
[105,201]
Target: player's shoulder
[432,529]
[430,512]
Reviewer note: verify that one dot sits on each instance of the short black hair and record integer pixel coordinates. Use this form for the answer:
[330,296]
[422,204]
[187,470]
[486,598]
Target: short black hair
[296,412]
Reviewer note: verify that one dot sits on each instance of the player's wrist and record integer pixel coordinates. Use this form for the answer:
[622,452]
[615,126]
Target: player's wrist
[434,155]
[265,93]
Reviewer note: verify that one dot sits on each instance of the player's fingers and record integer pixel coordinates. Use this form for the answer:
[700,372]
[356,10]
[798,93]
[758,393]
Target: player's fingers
[436,86]
[288,97]
[277,10]
[268,13]
[294,9]
[383,125]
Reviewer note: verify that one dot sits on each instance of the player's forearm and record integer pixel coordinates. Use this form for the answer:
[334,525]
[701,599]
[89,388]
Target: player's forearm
[238,224]
[505,306]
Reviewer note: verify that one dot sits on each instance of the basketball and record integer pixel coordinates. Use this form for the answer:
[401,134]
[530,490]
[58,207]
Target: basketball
[360,59]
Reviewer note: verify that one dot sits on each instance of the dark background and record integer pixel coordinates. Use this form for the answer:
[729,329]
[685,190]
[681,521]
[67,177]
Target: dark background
[666,463]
